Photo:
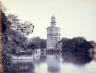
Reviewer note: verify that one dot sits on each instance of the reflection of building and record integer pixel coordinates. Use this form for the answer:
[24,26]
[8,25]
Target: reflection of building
[53,63]
[53,34]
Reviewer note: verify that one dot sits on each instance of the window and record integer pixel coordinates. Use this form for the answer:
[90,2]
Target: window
[47,34]
[50,34]
[51,30]
[55,37]
[59,38]
[50,37]
[56,34]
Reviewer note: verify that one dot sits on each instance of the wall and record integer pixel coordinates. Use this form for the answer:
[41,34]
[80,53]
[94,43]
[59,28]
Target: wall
[52,37]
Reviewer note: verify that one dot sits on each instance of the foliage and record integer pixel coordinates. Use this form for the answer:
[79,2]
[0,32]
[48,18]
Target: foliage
[36,43]
[25,28]
[13,41]
[77,45]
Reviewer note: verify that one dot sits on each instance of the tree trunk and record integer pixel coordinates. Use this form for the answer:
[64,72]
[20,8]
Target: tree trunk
[0,40]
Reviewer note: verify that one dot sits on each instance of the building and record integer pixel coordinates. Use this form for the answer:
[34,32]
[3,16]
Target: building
[53,34]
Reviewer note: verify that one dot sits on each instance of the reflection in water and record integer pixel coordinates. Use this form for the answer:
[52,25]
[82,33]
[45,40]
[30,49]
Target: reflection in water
[20,66]
[76,59]
[53,63]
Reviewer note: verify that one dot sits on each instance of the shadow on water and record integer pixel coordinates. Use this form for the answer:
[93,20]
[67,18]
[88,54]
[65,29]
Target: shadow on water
[51,61]
[76,59]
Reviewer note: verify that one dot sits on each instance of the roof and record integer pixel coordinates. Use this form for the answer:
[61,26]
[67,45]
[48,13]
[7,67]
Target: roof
[53,17]
[52,27]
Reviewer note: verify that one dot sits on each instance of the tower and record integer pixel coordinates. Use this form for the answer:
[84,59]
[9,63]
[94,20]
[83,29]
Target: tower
[53,34]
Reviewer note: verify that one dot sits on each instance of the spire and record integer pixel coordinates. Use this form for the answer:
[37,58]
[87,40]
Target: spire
[53,20]
[53,17]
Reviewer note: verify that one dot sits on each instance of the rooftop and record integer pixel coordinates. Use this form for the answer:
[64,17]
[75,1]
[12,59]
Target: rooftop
[52,27]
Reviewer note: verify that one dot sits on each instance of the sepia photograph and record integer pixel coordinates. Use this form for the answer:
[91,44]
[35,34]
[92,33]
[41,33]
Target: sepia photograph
[48,36]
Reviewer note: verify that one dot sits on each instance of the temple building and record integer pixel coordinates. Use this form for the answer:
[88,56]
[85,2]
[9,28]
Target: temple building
[53,34]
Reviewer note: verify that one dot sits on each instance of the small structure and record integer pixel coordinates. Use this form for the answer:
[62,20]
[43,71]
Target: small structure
[53,35]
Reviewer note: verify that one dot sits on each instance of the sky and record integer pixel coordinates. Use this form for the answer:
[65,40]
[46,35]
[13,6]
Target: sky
[74,17]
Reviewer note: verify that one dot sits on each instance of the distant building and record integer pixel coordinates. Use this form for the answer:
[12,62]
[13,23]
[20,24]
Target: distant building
[53,34]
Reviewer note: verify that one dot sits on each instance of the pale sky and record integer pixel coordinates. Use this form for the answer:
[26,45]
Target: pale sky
[74,17]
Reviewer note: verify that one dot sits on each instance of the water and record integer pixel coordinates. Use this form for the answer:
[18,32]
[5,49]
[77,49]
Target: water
[54,63]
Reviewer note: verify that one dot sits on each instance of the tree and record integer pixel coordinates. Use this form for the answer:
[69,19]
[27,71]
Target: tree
[43,43]
[36,43]
[25,28]
[12,38]
[76,45]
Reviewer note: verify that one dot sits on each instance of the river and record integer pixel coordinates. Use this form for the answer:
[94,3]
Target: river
[54,63]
